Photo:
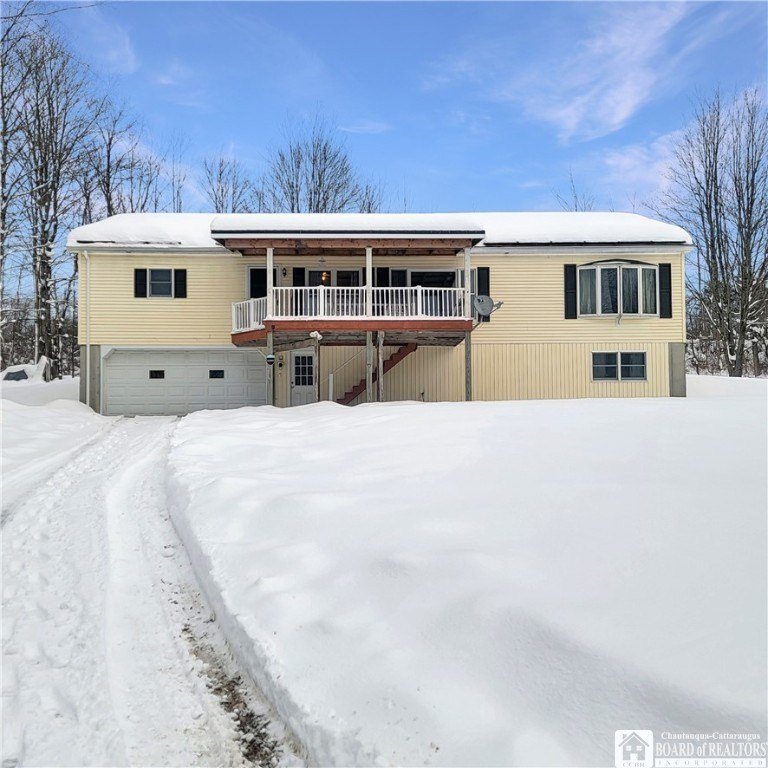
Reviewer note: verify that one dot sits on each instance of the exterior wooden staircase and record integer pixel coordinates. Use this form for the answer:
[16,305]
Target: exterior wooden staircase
[399,354]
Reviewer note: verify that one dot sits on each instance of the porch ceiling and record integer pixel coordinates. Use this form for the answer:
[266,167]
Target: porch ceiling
[439,246]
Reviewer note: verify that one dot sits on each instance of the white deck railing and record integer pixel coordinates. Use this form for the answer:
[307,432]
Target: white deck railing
[248,315]
[320,302]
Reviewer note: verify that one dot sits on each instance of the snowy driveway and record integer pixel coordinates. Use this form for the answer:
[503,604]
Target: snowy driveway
[103,626]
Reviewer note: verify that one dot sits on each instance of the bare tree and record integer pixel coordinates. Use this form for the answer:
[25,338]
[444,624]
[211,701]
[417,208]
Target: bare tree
[718,191]
[226,184]
[15,31]
[573,199]
[57,115]
[313,173]
[176,172]
[145,184]
[111,155]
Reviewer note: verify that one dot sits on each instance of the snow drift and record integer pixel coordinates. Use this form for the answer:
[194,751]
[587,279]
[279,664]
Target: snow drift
[486,583]
[41,432]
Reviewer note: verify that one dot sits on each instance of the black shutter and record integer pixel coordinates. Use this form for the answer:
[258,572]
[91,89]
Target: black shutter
[382,277]
[570,292]
[665,290]
[484,287]
[140,283]
[257,284]
[298,276]
[398,278]
[180,283]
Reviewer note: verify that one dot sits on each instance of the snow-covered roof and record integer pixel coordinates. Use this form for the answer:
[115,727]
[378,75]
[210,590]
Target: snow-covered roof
[161,230]
[203,230]
[565,228]
[323,225]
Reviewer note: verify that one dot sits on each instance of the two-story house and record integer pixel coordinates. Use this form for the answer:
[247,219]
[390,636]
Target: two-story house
[180,312]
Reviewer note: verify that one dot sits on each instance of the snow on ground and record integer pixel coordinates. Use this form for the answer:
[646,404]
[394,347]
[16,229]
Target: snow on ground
[487,583]
[724,386]
[40,392]
[111,655]
[38,440]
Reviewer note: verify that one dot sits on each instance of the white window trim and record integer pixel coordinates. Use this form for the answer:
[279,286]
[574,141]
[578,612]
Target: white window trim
[150,270]
[360,271]
[598,290]
[618,354]
[278,269]
[457,272]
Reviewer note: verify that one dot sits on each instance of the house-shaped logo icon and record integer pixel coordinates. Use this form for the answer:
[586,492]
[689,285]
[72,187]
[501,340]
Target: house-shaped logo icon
[634,749]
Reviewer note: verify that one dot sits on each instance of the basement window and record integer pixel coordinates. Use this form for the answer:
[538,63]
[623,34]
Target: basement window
[156,374]
[632,365]
[618,366]
[216,374]
[604,366]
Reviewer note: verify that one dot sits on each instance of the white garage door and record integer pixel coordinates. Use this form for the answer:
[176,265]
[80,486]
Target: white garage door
[166,381]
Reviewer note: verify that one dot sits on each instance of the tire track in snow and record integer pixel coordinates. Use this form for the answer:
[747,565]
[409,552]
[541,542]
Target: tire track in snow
[99,597]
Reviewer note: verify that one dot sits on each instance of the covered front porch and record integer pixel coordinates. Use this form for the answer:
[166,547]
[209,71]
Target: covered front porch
[344,315]
[339,287]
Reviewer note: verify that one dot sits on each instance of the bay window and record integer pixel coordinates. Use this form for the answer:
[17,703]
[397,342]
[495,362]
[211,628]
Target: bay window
[618,289]
[587,292]
[649,291]
[609,290]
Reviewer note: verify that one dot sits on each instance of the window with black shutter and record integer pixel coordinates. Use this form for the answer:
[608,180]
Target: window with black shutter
[161,283]
[140,283]
[179,283]
[665,290]
[484,288]
[570,292]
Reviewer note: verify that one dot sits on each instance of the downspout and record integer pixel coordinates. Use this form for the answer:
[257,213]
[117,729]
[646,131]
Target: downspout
[87,329]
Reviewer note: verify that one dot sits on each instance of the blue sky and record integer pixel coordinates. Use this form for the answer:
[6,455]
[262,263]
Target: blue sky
[452,106]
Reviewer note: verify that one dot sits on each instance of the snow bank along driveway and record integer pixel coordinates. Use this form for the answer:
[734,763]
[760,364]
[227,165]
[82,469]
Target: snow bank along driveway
[110,654]
[487,583]
[37,441]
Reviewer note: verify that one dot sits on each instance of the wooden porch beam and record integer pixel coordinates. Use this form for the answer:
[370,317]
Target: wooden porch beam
[401,243]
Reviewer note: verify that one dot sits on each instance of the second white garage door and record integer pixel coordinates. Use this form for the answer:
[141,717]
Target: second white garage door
[151,382]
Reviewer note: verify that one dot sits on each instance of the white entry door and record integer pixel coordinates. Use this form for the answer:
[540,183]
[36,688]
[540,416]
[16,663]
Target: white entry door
[303,377]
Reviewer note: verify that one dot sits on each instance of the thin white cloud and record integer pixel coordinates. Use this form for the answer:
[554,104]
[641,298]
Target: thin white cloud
[108,41]
[176,73]
[183,85]
[630,54]
[366,126]
[641,168]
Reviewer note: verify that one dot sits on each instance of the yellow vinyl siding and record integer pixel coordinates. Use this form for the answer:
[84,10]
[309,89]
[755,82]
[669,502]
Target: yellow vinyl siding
[528,350]
[531,288]
[500,372]
[203,318]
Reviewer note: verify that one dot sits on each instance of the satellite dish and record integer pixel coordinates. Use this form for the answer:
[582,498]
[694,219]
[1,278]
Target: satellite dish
[483,305]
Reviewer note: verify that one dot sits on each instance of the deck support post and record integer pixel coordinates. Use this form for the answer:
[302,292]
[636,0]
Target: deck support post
[270,370]
[369,366]
[380,367]
[468,366]
[468,282]
[368,282]
[270,281]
